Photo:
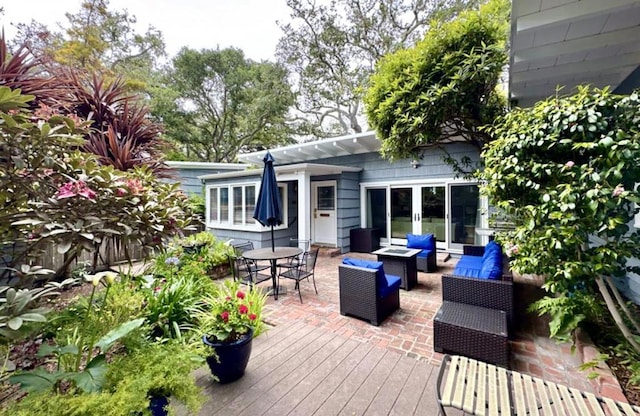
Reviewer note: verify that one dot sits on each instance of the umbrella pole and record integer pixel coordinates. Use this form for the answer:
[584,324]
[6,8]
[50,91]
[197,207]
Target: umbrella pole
[273,244]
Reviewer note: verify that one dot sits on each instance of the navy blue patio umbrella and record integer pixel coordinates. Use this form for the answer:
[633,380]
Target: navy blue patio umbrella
[268,209]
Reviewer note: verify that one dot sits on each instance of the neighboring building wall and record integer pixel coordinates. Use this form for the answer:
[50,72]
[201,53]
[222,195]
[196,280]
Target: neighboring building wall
[189,182]
[186,173]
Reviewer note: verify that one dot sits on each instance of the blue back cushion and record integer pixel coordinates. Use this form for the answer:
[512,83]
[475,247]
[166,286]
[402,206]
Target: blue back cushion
[491,247]
[492,266]
[423,241]
[381,280]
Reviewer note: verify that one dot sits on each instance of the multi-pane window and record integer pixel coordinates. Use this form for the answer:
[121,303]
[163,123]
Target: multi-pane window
[233,205]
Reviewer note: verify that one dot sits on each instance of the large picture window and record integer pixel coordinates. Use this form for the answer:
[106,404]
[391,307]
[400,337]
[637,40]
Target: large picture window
[231,206]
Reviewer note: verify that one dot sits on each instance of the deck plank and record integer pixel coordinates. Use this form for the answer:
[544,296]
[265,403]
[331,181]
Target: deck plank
[300,369]
[307,384]
[351,383]
[277,368]
[387,395]
[414,385]
[300,365]
[338,374]
[372,385]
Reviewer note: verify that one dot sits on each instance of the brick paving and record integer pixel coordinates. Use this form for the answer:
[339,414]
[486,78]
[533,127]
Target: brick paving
[410,329]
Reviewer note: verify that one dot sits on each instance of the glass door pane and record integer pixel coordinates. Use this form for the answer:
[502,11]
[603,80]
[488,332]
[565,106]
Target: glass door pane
[401,212]
[464,214]
[376,216]
[433,212]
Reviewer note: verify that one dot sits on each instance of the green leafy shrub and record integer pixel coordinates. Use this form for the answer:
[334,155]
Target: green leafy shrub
[130,380]
[565,173]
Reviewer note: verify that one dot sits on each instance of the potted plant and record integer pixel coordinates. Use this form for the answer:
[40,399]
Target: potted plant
[229,321]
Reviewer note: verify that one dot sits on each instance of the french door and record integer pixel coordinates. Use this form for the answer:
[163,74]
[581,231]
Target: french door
[449,211]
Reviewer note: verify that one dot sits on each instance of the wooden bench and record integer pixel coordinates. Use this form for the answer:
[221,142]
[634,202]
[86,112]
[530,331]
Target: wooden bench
[479,388]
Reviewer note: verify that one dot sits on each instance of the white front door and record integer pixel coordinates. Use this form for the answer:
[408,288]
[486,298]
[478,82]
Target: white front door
[324,225]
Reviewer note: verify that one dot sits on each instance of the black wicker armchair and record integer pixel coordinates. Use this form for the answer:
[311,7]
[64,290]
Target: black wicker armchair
[360,295]
[476,316]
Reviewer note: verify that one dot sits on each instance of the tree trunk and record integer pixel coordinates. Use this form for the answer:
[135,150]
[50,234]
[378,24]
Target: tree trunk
[602,286]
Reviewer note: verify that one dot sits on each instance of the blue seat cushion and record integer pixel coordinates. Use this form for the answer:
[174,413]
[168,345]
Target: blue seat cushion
[425,253]
[470,262]
[393,285]
[422,241]
[381,280]
[466,272]
[469,266]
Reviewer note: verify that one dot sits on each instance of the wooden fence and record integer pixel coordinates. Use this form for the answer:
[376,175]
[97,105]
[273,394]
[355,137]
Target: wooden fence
[110,254]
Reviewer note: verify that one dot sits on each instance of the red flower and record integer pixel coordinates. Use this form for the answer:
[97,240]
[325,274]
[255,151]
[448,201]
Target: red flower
[243,309]
[228,298]
[240,294]
[225,316]
[253,317]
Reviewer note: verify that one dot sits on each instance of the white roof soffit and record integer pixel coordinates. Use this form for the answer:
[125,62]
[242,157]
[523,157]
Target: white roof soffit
[573,42]
[353,144]
[286,172]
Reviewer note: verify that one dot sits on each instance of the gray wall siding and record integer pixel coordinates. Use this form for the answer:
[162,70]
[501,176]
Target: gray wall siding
[348,214]
[431,166]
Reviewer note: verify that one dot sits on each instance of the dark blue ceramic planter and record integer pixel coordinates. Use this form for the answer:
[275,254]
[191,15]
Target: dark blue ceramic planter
[233,358]
[158,405]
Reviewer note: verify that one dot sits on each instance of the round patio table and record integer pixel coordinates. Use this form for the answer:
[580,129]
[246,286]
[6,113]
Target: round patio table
[273,255]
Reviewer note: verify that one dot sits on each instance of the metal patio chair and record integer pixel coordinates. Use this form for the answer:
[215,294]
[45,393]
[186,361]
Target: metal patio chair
[292,262]
[304,269]
[239,249]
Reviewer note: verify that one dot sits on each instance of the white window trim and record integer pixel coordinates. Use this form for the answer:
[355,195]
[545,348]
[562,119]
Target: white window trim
[229,225]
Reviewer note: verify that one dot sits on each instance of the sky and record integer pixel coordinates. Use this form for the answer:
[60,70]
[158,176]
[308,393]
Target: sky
[199,24]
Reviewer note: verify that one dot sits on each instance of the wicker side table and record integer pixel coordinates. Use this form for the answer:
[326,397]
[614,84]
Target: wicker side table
[364,240]
[473,331]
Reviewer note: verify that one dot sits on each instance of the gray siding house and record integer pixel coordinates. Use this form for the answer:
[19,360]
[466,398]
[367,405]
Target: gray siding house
[332,186]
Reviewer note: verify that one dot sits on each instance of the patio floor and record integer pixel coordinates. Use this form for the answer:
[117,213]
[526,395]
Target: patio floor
[316,361]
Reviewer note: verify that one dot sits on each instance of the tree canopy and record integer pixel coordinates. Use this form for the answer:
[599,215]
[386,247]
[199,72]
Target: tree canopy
[444,88]
[217,103]
[332,47]
[97,39]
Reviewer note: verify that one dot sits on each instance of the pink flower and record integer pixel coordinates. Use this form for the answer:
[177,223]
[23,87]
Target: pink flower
[228,298]
[240,295]
[135,186]
[121,192]
[569,164]
[225,316]
[253,317]
[66,191]
[71,189]
[243,309]
[618,190]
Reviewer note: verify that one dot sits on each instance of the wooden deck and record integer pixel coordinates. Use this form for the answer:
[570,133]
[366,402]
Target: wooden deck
[304,370]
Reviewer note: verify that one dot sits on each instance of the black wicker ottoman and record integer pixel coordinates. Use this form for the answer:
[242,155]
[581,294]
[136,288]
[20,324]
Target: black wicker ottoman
[473,331]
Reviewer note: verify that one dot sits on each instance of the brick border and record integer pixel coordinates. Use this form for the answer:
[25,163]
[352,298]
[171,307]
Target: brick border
[606,384]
